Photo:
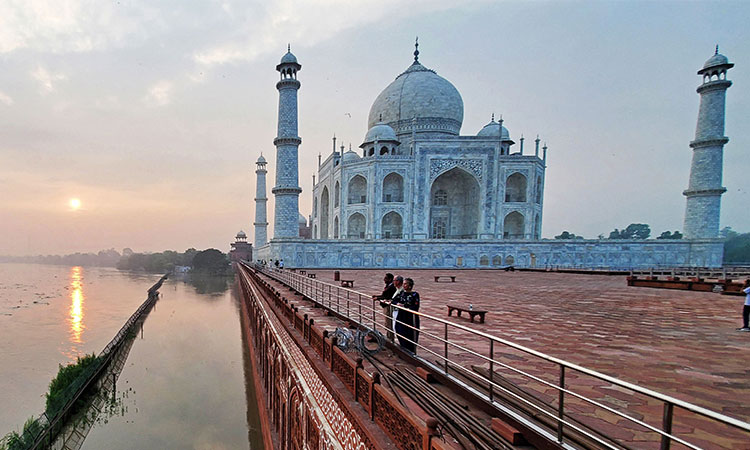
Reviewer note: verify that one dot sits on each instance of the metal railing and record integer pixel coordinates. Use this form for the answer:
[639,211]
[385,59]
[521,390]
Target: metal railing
[362,309]
[699,272]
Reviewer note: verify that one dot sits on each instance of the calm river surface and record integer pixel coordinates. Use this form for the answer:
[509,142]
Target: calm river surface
[186,382]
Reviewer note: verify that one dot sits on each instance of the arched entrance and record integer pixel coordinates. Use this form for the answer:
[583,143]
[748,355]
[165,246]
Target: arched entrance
[392,226]
[454,210]
[515,188]
[356,226]
[393,188]
[324,207]
[513,226]
[357,190]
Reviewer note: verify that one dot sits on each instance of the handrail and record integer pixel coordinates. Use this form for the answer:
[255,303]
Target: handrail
[323,293]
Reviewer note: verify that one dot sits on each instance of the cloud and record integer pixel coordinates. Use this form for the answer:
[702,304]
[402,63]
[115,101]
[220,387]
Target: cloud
[160,94]
[286,21]
[5,98]
[73,26]
[47,79]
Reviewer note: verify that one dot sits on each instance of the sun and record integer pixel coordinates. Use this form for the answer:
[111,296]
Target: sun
[74,204]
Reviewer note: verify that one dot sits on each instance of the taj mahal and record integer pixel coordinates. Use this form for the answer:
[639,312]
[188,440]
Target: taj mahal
[418,194]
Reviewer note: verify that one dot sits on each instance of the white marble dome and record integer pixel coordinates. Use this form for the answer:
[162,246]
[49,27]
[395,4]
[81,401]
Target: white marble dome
[717,60]
[380,132]
[492,129]
[350,156]
[289,58]
[419,92]
[302,220]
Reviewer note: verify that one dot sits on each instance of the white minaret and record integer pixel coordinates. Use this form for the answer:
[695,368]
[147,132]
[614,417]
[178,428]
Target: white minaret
[287,190]
[261,221]
[704,188]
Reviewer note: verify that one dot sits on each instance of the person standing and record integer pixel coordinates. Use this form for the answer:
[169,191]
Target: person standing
[388,291]
[389,310]
[746,307]
[407,322]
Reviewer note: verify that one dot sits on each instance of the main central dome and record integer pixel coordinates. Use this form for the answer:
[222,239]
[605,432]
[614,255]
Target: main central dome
[422,94]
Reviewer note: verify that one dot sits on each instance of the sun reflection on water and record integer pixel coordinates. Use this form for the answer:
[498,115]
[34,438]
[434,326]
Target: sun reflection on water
[76,304]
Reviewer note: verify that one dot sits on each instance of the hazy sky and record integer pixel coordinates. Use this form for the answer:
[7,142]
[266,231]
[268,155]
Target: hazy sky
[153,113]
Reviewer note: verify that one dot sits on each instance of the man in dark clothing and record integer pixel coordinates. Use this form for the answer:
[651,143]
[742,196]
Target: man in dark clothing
[386,296]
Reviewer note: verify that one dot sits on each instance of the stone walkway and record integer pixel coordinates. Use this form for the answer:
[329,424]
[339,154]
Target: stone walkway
[679,343]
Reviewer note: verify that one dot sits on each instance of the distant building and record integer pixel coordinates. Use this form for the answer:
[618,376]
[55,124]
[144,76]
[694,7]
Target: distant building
[241,249]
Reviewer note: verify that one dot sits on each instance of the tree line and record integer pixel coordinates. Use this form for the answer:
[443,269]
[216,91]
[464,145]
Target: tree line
[210,260]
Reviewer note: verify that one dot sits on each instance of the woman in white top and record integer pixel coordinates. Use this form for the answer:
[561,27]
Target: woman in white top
[746,308]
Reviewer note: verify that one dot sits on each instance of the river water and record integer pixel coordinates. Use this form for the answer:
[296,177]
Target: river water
[186,382]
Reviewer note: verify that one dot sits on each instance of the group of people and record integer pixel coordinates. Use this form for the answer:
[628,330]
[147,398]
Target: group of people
[399,299]
[279,264]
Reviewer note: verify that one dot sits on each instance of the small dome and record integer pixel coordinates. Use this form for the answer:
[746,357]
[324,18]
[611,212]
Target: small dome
[288,58]
[492,129]
[350,156]
[261,160]
[716,60]
[241,235]
[302,220]
[380,132]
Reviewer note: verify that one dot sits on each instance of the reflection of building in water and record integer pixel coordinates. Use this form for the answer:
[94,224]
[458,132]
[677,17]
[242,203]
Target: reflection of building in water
[420,194]
[241,249]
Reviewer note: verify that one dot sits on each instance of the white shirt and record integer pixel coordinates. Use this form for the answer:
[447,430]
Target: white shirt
[747,297]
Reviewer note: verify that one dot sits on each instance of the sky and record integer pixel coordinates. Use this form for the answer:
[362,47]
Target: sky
[152,113]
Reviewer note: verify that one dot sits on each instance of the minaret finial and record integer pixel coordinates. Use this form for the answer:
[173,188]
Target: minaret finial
[493,117]
[380,117]
[289,48]
[416,50]
[717,50]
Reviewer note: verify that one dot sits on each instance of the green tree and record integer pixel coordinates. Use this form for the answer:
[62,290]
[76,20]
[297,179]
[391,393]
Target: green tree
[567,235]
[632,231]
[728,233]
[210,260]
[737,249]
[670,235]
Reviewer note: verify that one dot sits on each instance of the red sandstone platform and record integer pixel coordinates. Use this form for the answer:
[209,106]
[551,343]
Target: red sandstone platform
[680,343]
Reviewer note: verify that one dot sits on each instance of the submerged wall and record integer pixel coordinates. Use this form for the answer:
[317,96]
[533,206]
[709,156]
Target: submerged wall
[606,253]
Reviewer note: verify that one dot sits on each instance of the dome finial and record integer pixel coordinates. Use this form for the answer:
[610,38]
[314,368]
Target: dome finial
[493,117]
[416,50]
[380,117]
[717,50]
[289,48]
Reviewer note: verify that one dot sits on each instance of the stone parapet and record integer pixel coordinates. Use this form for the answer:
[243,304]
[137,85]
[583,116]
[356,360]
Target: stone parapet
[471,253]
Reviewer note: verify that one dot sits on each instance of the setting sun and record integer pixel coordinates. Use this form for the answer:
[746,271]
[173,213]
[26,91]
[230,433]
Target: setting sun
[74,204]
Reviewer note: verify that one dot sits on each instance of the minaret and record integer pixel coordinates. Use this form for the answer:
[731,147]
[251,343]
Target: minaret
[261,221]
[287,190]
[704,188]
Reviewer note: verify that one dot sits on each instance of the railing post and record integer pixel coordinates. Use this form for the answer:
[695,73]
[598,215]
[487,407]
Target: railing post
[374,321]
[360,308]
[561,405]
[445,343]
[492,368]
[666,441]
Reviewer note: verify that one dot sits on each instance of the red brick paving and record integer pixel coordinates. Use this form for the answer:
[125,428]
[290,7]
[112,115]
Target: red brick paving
[679,343]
